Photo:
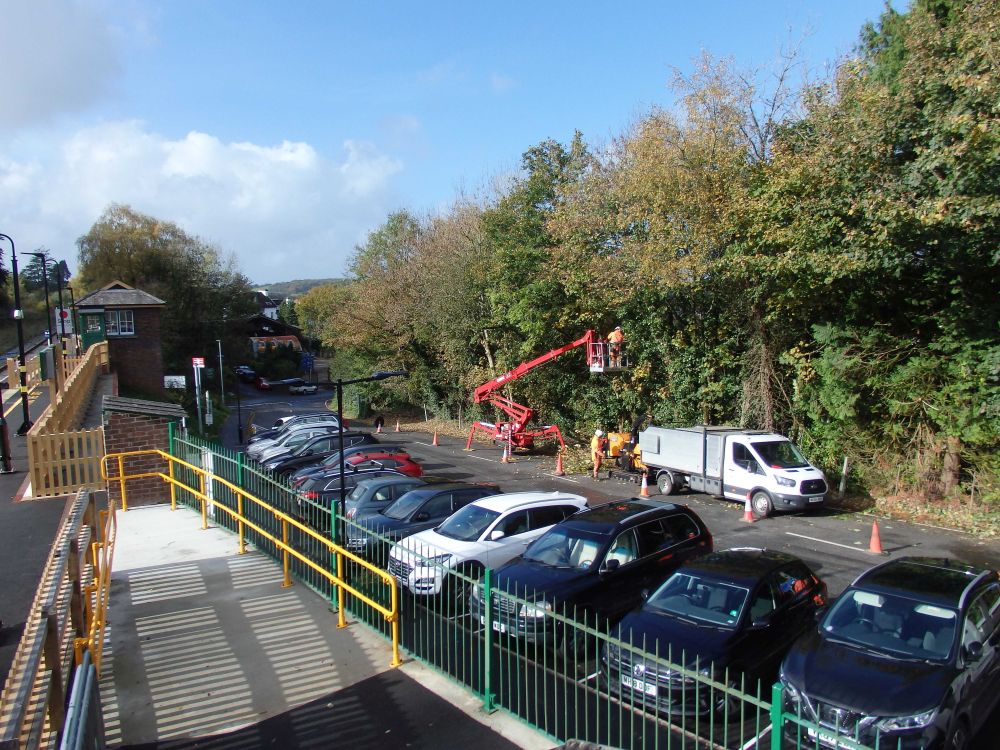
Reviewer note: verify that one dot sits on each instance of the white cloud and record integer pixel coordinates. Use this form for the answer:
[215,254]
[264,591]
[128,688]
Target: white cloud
[58,57]
[501,83]
[285,211]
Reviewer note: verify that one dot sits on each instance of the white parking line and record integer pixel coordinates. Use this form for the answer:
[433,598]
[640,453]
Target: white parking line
[429,445]
[567,479]
[491,460]
[824,541]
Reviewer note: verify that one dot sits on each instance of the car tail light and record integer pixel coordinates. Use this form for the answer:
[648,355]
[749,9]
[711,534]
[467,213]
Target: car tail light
[310,495]
[352,512]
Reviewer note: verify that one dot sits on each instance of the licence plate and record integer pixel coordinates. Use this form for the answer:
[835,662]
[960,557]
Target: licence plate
[817,499]
[499,627]
[648,688]
[826,739]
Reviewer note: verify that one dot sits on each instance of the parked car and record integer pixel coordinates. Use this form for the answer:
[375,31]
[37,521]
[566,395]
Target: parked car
[420,508]
[256,447]
[263,384]
[399,464]
[324,491]
[246,373]
[907,657]
[593,566]
[288,440]
[331,464]
[302,387]
[733,615]
[484,534]
[372,495]
[287,422]
[315,449]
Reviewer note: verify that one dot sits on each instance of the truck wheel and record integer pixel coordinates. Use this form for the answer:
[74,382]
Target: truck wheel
[761,504]
[665,481]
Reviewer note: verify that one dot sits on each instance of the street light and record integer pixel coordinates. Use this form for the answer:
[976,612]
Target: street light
[18,316]
[379,375]
[48,311]
[72,313]
[239,415]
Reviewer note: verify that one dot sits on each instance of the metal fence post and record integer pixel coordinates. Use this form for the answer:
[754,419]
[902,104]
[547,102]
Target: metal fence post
[777,701]
[489,699]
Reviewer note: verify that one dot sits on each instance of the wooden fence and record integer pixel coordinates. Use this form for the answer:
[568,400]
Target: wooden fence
[62,456]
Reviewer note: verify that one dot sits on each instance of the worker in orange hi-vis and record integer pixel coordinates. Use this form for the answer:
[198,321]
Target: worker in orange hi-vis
[615,339]
[598,446]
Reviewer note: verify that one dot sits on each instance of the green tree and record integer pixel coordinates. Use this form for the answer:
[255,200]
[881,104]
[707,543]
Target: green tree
[202,291]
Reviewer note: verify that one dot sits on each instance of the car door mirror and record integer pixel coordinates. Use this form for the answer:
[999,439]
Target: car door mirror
[761,623]
[611,565]
[496,535]
[422,516]
[973,651]
[644,594]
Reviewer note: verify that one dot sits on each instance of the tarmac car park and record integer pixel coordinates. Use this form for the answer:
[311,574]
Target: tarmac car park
[831,543]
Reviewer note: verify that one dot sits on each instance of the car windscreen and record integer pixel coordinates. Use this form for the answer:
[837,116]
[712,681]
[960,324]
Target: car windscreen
[566,547]
[405,505]
[693,597]
[893,625]
[468,524]
[780,454]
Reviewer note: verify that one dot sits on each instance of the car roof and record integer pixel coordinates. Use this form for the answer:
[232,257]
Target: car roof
[745,565]
[932,579]
[433,489]
[610,516]
[510,500]
[396,479]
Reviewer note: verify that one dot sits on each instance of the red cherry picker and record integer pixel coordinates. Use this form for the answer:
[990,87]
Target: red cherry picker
[515,431]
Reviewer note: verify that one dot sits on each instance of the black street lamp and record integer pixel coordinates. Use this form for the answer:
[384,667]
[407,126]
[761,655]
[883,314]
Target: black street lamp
[72,317]
[44,258]
[239,414]
[18,316]
[380,375]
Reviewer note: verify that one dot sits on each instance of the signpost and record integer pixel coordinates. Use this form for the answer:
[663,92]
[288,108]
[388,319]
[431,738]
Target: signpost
[198,363]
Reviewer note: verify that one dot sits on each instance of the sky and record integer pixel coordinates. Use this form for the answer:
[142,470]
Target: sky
[284,132]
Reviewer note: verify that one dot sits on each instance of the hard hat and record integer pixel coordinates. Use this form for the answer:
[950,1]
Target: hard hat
[598,433]
[618,328]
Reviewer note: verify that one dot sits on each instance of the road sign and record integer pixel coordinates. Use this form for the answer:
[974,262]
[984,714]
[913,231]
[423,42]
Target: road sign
[198,361]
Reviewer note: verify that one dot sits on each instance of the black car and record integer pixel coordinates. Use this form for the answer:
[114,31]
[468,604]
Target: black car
[731,615]
[246,374]
[331,464]
[593,567]
[420,508]
[317,497]
[315,450]
[907,657]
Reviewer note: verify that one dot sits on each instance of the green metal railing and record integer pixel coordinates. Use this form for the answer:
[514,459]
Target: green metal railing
[559,671]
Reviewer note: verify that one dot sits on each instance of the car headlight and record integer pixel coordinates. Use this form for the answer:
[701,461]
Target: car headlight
[785,481]
[793,698]
[914,721]
[539,609]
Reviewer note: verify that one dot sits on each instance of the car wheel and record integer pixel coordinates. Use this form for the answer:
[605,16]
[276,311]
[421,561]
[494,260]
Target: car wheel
[665,481]
[958,738]
[760,501]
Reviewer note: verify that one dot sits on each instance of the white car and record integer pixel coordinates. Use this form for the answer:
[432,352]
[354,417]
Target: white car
[303,388]
[288,440]
[484,534]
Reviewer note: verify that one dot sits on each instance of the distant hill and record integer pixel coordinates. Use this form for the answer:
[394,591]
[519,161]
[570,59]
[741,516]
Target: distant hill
[282,289]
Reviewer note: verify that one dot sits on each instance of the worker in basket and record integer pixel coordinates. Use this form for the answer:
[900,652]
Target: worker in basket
[598,447]
[615,339]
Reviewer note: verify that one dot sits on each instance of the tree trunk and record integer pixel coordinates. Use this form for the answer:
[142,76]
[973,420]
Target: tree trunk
[952,465]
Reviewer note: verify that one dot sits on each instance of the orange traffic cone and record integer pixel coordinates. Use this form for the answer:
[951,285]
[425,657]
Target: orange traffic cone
[644,489]
[505,458]
[748,511]
[434,440]
[397,425]
[559,465]
[875,545]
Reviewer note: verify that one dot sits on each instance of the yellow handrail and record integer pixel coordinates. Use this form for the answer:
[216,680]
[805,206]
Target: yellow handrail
[390,613]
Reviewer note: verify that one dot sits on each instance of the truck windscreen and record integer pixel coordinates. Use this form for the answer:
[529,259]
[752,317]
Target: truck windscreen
[780,454]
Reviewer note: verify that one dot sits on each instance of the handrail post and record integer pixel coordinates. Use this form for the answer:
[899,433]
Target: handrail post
[57,692]
[121,481]
[239,525]
[777,699]
[394,598]
[341,618]
[204,502]
[284,554]
[489,703]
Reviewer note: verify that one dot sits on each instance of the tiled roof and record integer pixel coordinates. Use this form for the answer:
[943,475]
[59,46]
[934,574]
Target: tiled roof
[141,406]
[119,294]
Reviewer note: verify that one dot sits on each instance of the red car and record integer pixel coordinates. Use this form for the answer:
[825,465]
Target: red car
[263,384]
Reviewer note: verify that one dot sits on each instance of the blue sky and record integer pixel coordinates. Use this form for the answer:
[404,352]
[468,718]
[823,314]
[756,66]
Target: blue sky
[283,132]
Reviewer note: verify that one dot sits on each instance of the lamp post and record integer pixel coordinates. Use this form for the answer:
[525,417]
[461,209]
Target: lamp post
[72,312]
[380,375]
[239,415]
[18,316]
[45,285]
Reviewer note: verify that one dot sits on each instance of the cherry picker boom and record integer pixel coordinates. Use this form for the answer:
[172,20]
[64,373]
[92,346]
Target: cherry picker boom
[515,430]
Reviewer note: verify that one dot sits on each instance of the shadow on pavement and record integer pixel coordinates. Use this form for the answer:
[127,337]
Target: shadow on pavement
[387,711]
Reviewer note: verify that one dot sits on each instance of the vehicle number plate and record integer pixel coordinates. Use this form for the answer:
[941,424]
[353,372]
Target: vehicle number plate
[648,688]
[817,499]
[499,627]
[826,739]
